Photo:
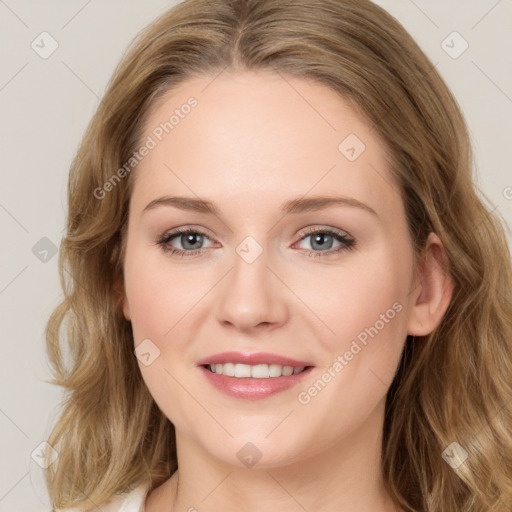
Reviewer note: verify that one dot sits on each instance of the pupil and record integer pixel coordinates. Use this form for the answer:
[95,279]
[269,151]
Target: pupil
[190,239]
[319,237]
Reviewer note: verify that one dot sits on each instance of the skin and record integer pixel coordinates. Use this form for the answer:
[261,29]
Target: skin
[254,141]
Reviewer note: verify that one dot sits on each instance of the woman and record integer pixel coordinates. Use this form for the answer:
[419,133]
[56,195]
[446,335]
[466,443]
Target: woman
[256,369]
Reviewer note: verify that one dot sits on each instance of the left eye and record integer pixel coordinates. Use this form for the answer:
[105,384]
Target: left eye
[324,239]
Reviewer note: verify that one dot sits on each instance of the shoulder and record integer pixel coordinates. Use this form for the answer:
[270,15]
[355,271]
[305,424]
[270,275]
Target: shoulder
[130,501]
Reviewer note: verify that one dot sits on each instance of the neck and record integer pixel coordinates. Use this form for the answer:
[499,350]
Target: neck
[344,477]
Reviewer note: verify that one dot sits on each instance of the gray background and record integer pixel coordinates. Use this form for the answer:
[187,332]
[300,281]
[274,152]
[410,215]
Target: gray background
[46,104]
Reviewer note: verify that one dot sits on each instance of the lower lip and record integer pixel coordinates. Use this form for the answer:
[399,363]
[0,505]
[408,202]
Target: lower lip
[251,388]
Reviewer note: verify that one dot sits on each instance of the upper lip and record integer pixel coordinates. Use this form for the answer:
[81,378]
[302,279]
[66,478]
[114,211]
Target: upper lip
[252,359]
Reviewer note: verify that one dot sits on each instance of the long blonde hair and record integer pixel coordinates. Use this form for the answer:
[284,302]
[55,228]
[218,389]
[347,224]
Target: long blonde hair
[454,385]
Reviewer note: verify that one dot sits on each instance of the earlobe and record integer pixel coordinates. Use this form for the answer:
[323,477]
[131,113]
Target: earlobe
[434,289]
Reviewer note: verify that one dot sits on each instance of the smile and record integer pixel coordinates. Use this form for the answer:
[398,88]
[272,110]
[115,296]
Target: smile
[253,376]
[257,371]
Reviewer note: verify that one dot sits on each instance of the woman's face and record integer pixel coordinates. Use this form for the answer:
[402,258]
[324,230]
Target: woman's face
[277,270]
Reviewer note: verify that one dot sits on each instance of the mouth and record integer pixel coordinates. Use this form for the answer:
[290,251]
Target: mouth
[253,376]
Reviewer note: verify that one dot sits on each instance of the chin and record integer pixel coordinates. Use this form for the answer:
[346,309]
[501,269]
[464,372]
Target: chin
[257,451]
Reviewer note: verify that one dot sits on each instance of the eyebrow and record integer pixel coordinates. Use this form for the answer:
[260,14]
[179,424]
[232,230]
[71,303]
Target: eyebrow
[294,206]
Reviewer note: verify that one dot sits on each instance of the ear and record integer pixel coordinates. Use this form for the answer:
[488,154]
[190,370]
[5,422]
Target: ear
[121,299]
[433,290]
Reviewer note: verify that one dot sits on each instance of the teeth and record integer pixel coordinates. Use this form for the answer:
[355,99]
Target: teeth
[257,371]
[260,371]
[275,370]
[228,369]
[241,370]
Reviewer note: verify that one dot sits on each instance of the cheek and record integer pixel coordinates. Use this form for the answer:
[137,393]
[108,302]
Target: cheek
[366,292]
[360,361]
[150,314]
[156,296]
[367,318]
[157,311]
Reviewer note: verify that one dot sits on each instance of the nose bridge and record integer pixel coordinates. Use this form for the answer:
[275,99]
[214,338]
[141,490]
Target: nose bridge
[250,295]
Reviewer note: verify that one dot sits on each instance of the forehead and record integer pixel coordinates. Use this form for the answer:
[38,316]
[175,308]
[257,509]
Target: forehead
[241,137]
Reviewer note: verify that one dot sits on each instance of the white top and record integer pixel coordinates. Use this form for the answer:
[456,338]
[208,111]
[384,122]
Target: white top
[132,501]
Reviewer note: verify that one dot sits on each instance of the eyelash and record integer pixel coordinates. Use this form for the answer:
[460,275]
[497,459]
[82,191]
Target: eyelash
[347,243]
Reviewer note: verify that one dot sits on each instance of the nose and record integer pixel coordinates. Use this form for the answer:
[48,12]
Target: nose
[252,295]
